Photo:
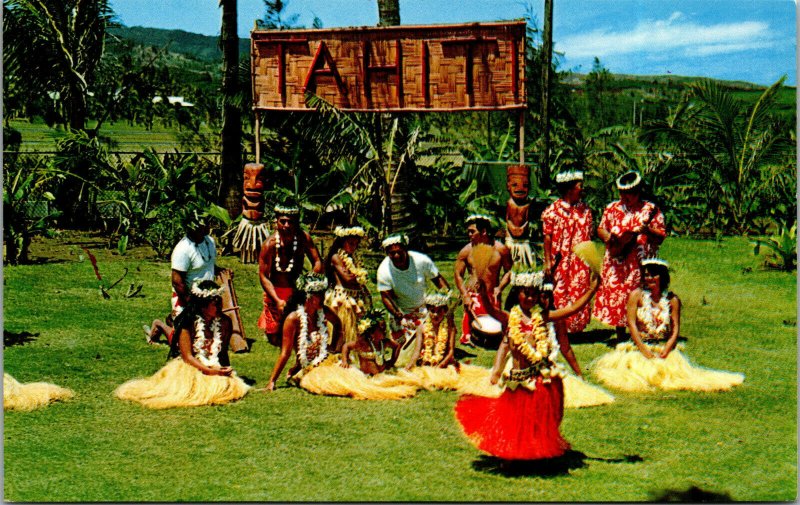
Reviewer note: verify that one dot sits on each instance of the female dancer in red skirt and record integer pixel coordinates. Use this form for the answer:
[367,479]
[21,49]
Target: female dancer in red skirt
[523,422]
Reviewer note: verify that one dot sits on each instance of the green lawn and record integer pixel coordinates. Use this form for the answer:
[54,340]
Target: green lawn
[37,136]
[291,445]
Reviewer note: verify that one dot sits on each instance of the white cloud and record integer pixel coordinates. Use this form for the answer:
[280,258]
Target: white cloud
[674,35]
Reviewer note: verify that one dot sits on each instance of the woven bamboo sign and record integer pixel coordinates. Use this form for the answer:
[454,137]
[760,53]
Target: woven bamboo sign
[478,66]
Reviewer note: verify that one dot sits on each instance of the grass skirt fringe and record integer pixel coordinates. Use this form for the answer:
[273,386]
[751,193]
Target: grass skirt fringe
[577,392]
[329,378]
[25,397]
[518,425]
[179,384]
[627,369]
[348,307]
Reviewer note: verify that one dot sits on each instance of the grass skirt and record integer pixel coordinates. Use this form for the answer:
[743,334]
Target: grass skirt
[17,396]
[518,425]
[348,305]
[468,379]
[627,369]
[179,384]
[577,392]
[329,378]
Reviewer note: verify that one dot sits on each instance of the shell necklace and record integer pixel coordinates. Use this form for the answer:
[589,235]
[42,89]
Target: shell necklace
[278,246]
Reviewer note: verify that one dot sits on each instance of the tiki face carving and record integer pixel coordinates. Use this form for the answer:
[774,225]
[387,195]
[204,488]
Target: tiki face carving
[253,190]
[518,181]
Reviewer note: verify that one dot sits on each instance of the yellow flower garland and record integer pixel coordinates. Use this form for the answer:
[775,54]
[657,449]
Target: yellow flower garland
[360,273]
[433,350]
[541,348]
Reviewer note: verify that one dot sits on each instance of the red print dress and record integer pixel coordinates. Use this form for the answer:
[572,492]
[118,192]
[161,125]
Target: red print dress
[523,422]
[621,275]
[569,225]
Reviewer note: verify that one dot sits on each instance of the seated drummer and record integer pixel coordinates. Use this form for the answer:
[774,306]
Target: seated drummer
[374,350]
[465,270]
[402,279]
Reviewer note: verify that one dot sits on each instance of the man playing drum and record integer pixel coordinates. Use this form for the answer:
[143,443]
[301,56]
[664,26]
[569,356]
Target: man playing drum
[478,233]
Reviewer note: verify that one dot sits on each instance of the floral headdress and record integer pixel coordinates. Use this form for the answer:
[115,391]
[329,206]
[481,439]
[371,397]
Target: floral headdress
[569,176]
[629,180]
[208,292]
[473,218]
[529,279]
[397,238]
[353,231]
[312,283]
[655,262]
[370,320]
[438,298]
[286,210]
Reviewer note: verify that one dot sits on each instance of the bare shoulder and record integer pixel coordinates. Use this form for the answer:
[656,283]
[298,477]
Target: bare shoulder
[464,252]
[635,296]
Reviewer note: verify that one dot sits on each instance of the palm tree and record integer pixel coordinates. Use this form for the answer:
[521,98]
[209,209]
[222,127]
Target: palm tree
[735,146]
[231,190]
[55,46]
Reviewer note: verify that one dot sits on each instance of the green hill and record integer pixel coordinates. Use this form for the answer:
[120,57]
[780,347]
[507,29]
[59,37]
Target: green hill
[200,47]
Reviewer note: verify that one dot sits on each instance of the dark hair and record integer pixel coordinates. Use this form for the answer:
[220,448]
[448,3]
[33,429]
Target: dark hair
[661,271]
[338,242]
[189,313]
[564,187]
[297,299]
[481,224]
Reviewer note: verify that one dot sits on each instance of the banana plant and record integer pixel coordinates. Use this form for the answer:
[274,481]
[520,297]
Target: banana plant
[782,247]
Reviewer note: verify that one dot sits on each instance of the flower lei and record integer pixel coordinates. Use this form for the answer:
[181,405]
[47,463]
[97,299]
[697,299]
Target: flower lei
[278,246]
[655,319]
[318,339]
[360,273]
[210,358]
[433,347]
[545,345]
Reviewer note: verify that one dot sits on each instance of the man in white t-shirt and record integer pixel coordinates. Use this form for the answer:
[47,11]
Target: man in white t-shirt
[402,280]
[193,258]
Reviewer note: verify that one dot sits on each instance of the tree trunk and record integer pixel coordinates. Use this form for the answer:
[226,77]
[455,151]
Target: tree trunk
[397,216]
[231,187]
[547,62]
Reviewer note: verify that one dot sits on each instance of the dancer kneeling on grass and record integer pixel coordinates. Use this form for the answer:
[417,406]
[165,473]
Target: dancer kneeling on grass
[648,363]
[305,329]
[523,422]
[202,375]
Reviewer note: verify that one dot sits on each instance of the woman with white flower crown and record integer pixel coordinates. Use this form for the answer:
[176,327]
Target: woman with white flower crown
[654,360]
[202,374]
[347,296]
[523,422]
[317,370]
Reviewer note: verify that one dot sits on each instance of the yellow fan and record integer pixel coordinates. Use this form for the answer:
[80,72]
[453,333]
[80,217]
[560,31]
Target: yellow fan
[480,258]
[590,253]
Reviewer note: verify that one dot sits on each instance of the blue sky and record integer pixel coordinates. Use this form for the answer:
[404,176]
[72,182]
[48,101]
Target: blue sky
[749,40]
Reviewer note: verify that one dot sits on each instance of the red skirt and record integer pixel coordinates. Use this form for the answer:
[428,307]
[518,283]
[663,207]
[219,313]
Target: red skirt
[518,425]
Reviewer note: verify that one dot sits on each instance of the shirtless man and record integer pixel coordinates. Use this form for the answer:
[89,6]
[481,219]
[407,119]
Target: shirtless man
[478,233]
[517,211]
[280,263]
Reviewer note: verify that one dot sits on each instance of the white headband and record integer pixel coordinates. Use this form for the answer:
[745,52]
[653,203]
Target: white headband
[312,283]
[206,293]
[655,261]
[569,176]
[636,181]
[528,279]
[398,238]
[354,231]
